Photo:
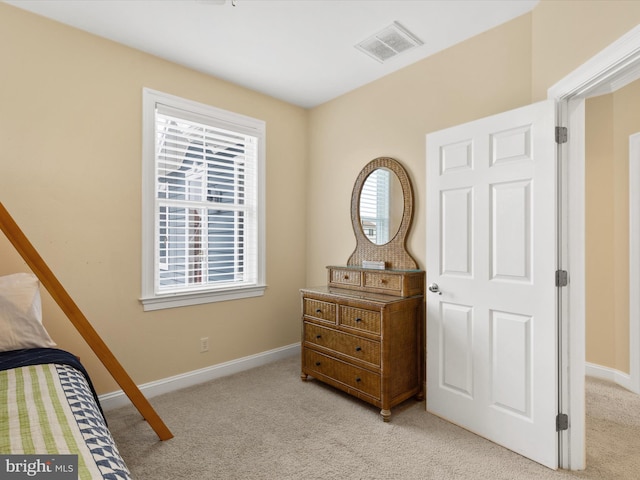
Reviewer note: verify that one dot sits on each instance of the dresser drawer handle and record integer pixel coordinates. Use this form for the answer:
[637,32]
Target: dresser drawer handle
[318,310]
[318,337]
[358,349]
[317,364]
[358,320]
[358,379]
[383,281]
[346,277]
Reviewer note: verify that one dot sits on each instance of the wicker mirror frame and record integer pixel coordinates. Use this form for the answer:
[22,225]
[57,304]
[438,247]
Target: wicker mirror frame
[394,253]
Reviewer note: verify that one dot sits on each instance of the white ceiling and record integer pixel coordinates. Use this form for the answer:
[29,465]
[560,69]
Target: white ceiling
[300,51]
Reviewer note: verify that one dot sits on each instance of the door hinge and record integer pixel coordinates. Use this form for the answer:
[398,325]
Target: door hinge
[561,134]
[562,278]
[562,422]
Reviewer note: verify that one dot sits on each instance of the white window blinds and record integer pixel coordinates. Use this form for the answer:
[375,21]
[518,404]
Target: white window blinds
[206,203]
[375,206]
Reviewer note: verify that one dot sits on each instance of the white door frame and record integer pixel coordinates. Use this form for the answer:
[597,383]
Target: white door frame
[614,67]
[634,263]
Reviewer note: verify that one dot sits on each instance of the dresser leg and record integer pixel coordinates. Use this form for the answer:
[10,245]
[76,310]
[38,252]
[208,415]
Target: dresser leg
[386,414]
[303,377]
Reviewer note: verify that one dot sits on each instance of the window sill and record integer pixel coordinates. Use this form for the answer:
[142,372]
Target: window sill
[174,300]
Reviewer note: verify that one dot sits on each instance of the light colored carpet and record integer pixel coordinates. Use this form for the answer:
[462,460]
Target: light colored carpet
[266,423]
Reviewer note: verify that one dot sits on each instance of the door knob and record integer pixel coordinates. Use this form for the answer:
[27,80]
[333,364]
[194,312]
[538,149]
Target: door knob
[435,288]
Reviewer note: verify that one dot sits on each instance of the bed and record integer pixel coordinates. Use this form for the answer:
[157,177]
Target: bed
[48,405]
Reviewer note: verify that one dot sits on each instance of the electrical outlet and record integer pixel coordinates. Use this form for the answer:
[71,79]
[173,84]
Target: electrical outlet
[204,344]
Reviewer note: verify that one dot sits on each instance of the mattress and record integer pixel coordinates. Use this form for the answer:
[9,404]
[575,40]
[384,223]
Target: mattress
[48,406]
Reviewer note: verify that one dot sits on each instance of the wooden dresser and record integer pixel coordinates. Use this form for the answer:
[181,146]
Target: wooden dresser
[363,334]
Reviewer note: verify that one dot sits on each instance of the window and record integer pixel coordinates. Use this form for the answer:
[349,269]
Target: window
[375,206]
[203,203]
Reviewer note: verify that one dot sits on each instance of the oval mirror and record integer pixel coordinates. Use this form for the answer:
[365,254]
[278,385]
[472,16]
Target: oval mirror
[381,206]
[381,214]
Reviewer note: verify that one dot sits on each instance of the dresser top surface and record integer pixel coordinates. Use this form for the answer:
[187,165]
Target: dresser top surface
[373,270]
[354,294]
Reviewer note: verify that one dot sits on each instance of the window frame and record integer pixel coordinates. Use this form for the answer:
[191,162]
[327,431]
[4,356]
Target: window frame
[150,298]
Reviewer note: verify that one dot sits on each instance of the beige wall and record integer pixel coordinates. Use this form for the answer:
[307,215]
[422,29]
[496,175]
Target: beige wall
[567,33]
[626,111]
[70,134]
[70,174]
[610,120]
[599,205]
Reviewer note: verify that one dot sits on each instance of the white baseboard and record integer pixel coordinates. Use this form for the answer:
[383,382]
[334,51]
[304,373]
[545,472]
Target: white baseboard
[610,374]
[118,398]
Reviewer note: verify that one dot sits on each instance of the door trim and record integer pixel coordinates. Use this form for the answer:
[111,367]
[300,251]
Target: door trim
[615,66]
[634,263]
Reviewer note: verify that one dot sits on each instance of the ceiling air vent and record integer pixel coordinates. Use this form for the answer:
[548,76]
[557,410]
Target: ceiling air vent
[389,43]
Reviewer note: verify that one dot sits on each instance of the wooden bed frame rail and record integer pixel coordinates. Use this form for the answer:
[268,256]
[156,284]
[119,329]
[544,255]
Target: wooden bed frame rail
[69,307]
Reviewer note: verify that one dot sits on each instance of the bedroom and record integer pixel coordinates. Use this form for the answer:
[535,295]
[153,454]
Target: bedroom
[60,84]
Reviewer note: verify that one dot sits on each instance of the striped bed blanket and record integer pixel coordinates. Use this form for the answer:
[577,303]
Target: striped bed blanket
[51,408]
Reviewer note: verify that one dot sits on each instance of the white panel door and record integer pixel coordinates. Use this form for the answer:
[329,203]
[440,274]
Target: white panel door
[491,250]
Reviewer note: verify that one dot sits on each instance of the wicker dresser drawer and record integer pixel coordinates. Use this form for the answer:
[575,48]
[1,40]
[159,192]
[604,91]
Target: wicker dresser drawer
[344,343]
[340,277]
[344,373]
[365,320]
[320,310]
[384,281]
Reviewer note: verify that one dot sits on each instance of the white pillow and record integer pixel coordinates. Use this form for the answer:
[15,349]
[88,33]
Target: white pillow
[21,313]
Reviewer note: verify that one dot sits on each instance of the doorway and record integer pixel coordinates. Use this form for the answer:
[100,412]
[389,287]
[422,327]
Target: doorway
[612,181]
